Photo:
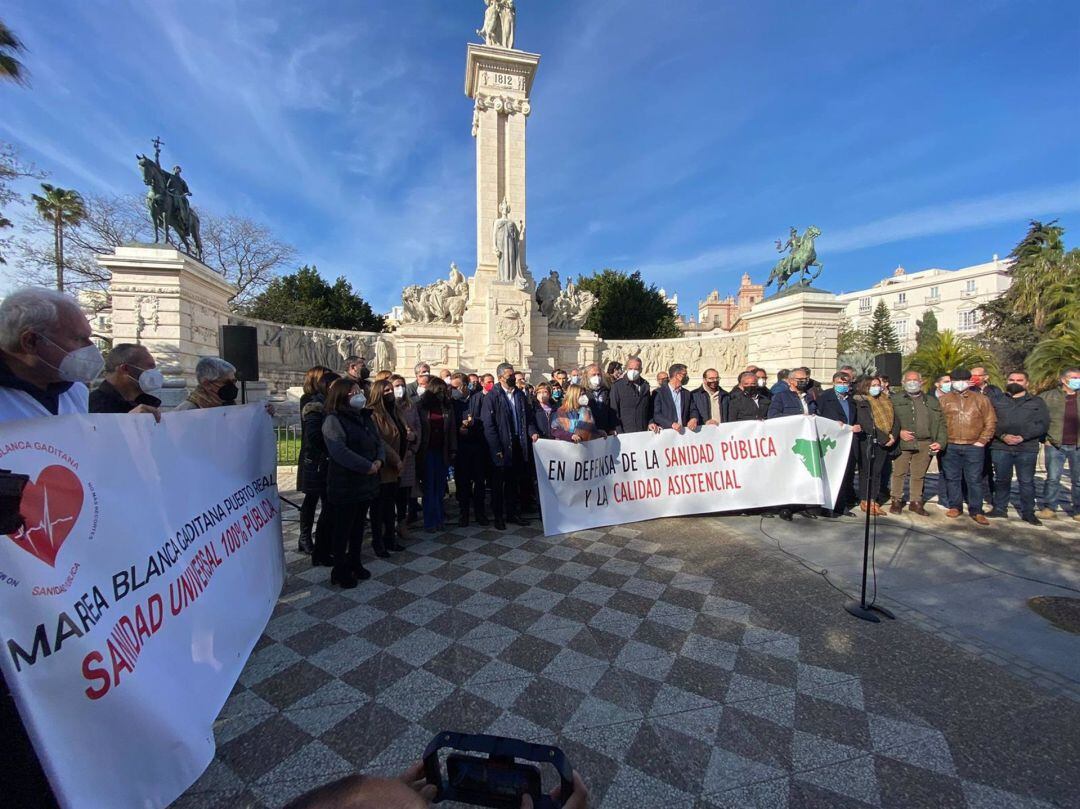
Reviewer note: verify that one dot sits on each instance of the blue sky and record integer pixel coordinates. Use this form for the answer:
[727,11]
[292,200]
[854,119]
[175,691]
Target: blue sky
[679,138]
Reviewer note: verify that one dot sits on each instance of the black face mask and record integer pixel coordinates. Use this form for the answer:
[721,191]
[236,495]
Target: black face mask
[1013,388]
[750,391]
[802,384]
[228,392]
[364,373]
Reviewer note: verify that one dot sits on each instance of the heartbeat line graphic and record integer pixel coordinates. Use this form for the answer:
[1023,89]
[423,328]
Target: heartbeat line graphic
[46,526]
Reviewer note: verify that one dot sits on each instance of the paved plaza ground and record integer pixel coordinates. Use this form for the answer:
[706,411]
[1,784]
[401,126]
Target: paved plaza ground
[680,663]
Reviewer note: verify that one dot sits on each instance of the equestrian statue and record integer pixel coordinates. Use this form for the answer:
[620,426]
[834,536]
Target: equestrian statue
[800,258]
[167,201]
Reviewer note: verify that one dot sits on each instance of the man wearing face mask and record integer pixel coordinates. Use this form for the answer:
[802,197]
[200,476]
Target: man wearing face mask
[1062,443]
[709,403]
[509,428]
[749,402]
[763,382]
[969,423]
[216,385]
[796,400]
[630,400]
[412,390]
[942,386]
[46,361]
[922,434]
[1022,422]
[575,377]
[837,404]
[356,369]
[599,399]
[980,383]
[131,383]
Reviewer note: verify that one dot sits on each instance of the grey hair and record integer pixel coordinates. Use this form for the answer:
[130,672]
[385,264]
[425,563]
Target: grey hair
[503,366]
[211,369]
[124,354]
[634,358]
[30,309]
[419,365]
[804,369]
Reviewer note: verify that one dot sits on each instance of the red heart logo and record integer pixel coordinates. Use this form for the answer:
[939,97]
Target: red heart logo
[50,506]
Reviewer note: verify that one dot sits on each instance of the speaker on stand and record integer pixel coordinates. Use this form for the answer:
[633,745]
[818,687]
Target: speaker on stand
[240,346]
[889,365]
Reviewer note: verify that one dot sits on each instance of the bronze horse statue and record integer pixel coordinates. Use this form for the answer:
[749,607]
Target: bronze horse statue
[164,213]
[798,262]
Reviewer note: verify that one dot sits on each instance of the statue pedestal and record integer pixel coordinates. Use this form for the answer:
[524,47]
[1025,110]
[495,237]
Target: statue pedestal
[794,330]
[170,302]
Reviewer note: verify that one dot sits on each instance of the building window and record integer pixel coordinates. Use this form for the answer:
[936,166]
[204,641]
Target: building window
[971,287]
[901,297]
[934,294]
[901,329]
[864,304]
[969,321]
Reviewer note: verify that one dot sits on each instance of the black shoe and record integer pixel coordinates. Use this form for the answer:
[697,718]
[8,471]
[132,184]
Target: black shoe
[499,525]
[785,514]
[1031,519]
[305,545]
[810,514]
[380,550]
[463,520]
[343,577]
[994,514]
[359,571]
[321,561]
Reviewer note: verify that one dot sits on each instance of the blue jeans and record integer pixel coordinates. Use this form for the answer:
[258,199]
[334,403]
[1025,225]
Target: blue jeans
[1024,464]
[964,463]
[434,490]
[1055,465]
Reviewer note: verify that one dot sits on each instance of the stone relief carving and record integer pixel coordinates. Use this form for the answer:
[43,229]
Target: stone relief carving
[726,354]
[570,308]
[384,354]
[146,314]
[440,302]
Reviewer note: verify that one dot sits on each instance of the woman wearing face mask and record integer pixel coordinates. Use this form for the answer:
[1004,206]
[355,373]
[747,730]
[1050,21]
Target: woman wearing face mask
[392,432]
[311,470]
[409,416]
[574,420]
[545,409]
[438,446]
[352,482]
[877,418]
[216,385]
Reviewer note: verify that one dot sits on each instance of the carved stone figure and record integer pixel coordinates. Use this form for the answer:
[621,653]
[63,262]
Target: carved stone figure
[500,22]
[508,22]
[546,293]
[384,359]
[801,257]
[440,302]
[507,239]
[570,308]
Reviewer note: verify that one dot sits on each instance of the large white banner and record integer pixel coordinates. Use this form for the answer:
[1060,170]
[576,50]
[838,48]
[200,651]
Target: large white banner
[148,567]
[641,476]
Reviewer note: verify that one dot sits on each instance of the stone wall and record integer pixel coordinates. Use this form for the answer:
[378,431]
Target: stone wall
[727,353]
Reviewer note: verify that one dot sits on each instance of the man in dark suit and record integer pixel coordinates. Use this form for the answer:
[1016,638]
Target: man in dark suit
[422,369]
[631,401]
[672,403]
[748,402]
[796,400]
[709,403]
[509,428]
[472,465]
[837,404]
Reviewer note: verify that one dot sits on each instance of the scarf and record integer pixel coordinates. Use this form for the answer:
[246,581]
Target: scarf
[201,399]
[882,410]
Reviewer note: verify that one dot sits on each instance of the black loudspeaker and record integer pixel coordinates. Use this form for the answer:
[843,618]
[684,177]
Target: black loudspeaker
[240,346]
[889,365]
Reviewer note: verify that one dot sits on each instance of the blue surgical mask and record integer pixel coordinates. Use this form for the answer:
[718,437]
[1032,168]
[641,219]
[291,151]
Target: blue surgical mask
[1074,384]
[946,387]
[841,388]
[875,390]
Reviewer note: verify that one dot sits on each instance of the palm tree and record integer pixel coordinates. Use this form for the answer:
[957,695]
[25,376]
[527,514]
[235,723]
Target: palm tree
[945,351]
[1053,354]
[10,67]
[62,207]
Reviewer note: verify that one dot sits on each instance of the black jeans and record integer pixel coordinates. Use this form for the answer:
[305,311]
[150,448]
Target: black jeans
[348,530]
[1024,464]
[505,480]
[472,469]
[384,516]
[871,471]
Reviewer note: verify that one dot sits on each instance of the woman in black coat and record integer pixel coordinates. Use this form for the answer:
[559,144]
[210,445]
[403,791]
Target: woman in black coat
[311,471]
[880,432]
[356,455]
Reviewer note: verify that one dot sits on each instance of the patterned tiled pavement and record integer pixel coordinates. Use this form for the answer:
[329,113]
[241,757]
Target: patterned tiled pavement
[676,665]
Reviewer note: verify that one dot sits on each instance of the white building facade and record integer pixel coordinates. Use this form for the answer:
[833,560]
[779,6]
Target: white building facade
[952,295]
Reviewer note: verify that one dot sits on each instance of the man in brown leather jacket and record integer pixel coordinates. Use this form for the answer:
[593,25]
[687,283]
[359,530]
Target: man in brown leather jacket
[969,421]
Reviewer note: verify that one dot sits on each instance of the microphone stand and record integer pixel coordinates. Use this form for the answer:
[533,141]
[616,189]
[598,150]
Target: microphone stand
[860,609]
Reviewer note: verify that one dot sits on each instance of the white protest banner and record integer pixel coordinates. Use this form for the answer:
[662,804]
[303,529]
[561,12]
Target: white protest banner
[641,476]
[146,571]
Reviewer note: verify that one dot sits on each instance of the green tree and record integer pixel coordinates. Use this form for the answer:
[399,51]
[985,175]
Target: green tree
[304,298]
[927,328]
[944,352]
[848,338]
[10,67]
[62,208]
[881,336]
[626,308]
[1053,354]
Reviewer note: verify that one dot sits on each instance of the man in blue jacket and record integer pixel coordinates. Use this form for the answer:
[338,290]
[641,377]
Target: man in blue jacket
[797,400]
[673,404]
[837,404]
[509,429]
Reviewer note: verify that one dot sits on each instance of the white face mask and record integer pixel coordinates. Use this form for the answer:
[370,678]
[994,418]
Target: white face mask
[358,401]
[594,381]
[761,383]
[960,385]
[421,390]
[151,381]
[912,386]
[632,375]
[399,392]
[81,365]
[583,400]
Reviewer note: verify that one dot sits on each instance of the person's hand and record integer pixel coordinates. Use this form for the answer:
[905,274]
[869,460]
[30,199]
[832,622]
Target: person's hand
[891,441]
[713,422]
[499,455]
[535,437]
[677,427]
[907,435]
[579,800]
[375,467]
[576,438]
[654,428]
[692,424]
[153,411]
[856,428]
[935,447]
[979,444]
